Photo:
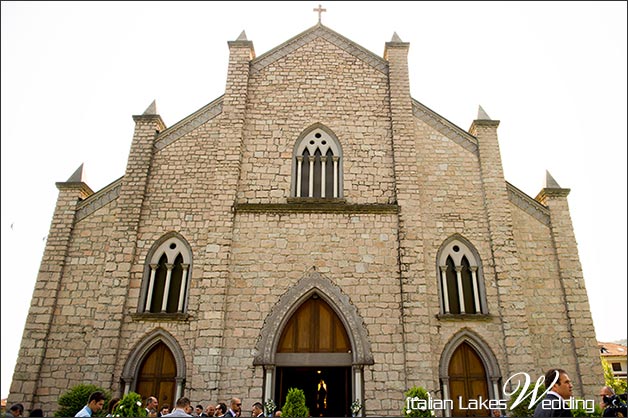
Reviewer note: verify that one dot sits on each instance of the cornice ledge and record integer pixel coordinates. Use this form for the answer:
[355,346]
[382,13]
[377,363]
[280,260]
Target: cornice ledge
[445,127]
[528,205]
[188,124]
[315,207]
[98,200]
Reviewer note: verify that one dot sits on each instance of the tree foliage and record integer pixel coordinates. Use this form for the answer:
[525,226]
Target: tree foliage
[76,398]
[618,385]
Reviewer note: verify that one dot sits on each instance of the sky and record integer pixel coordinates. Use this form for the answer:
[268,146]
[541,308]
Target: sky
[553,73]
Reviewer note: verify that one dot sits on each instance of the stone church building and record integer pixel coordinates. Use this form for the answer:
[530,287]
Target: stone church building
[314,227]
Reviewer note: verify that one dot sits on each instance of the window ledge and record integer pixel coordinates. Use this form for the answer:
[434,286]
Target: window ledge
[317,200]
[312,205]
[464,317]
[160,317]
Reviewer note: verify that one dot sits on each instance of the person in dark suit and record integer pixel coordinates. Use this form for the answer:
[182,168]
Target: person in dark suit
[236,408]
[221,409]
[553,405]
[257,410]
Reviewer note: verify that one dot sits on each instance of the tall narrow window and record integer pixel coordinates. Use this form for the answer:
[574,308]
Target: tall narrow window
[460,283]
[317,165]
[167,277]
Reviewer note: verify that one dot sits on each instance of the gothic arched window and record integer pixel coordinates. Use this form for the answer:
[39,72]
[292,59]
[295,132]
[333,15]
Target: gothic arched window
[460,281]
[317,165]
[167,277]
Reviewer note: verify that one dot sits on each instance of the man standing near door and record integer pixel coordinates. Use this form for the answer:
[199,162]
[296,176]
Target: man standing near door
[151,404]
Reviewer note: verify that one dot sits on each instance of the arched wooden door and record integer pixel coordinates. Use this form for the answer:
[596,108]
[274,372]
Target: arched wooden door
[467,382]
[319,361]
[157,375]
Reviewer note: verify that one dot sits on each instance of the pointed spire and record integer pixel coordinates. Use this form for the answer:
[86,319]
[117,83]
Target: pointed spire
[77,177]
[151,109]
[395,38]
[550,183]
[482,115]
[242,37]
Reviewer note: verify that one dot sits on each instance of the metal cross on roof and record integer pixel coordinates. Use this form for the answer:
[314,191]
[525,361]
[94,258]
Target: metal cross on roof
[319,10]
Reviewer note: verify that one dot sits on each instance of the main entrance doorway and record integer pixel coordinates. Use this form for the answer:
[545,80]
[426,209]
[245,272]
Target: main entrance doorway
[327,389]
[157,375]
[467,381]
[314,355]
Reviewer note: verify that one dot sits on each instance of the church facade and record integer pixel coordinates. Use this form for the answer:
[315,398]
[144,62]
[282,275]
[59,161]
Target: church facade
[314,227]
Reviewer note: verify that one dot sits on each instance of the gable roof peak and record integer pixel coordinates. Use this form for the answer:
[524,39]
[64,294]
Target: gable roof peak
[319,31]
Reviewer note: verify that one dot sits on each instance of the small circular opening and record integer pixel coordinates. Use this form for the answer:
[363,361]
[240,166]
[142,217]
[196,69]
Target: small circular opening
[317,135]
[173,246]
[312,142]
[456,248]
[323,142]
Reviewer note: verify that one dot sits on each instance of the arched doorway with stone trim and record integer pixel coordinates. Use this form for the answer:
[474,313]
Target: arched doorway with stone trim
[314,334]
[155,367]
[468,372]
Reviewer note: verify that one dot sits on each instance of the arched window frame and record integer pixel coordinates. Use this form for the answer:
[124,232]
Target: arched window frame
[465,251]
[162,248]
[335,165]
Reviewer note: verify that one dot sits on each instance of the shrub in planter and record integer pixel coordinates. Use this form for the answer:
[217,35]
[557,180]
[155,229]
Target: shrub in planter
[295,404]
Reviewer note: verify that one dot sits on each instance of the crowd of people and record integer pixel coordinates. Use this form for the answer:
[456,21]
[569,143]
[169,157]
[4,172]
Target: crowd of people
[555,404]
[183,408]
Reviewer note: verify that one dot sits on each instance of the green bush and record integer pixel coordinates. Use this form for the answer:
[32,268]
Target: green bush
[295,404]
[419,393]
[523,409]
[76,398]
[130,406]
[581,412]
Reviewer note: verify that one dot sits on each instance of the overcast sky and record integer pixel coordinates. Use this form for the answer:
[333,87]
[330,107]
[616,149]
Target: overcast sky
[554,74]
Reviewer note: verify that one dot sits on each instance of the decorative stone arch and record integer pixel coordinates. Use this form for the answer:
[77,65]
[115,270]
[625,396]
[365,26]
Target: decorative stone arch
[468,250]
[302,142]
[313,283]
[152,258]
[483,350]
[142,348]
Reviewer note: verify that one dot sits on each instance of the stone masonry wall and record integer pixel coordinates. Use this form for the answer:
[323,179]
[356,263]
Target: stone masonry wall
[319,84]
[451,203]
[72,329]
[546,311]
[357,252]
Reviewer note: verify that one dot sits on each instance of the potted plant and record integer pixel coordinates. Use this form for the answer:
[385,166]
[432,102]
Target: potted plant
[295,404]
